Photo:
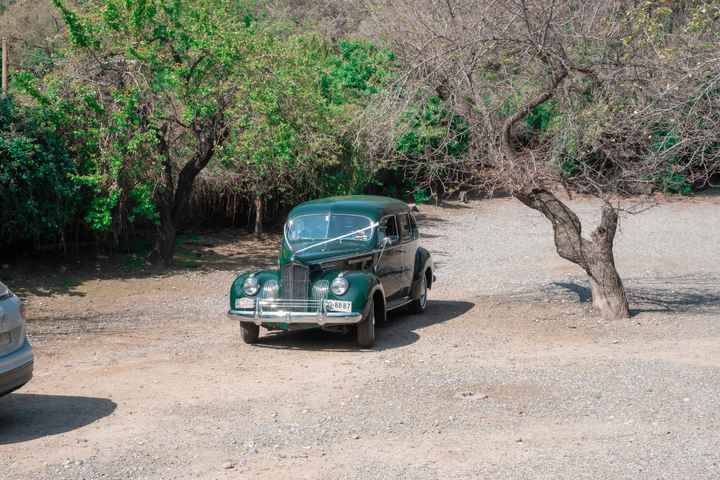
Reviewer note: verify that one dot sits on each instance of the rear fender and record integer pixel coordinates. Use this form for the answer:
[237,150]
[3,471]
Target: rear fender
[423,263]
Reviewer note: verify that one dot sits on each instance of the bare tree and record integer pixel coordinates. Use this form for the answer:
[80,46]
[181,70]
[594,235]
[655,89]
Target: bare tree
[500,62]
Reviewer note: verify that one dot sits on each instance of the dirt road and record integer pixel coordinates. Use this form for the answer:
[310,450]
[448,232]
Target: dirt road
[507,375]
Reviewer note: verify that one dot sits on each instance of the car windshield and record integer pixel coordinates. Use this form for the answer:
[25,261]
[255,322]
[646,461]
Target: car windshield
[331,230]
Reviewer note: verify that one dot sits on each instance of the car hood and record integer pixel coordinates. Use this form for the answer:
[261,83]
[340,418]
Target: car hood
[323,254]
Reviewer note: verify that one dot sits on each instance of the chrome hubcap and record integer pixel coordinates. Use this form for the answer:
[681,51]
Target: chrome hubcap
[423,295]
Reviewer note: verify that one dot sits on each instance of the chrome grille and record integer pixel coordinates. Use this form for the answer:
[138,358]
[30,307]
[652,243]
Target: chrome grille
[295,282]
[320,290]
[283,306]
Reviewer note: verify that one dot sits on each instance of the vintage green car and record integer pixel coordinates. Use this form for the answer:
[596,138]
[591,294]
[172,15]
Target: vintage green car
[345,262]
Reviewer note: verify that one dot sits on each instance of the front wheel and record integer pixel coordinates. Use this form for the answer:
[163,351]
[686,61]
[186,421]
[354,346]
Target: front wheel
[366,330]
[250,332]
[420,303]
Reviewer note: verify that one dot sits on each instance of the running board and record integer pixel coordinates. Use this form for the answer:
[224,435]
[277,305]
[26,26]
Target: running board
[399,303]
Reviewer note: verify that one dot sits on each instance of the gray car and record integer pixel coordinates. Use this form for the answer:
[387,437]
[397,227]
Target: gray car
[16,356]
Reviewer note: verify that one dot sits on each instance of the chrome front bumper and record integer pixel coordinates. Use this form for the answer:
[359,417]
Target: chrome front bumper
[294,312]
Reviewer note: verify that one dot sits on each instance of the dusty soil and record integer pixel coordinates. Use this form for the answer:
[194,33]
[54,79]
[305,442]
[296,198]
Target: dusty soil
[139,375]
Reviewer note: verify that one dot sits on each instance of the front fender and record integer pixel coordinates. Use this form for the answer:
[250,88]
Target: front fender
[363,286]
[236,290]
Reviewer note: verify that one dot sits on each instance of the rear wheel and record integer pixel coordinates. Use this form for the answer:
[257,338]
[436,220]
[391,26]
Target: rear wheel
[366,330]
[250,332]
[420,303]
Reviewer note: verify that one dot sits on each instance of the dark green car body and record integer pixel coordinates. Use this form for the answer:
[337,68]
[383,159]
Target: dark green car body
[375,249]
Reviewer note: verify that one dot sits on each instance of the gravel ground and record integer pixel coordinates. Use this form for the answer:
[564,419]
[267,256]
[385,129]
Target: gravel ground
[507,375]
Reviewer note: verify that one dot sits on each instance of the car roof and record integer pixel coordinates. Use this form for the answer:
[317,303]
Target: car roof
[371,206]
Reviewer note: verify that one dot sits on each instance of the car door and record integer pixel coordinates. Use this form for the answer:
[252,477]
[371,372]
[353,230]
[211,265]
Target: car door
[408,240]
[390,262]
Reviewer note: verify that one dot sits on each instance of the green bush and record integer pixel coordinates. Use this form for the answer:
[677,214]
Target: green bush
[432,128]
[39,196]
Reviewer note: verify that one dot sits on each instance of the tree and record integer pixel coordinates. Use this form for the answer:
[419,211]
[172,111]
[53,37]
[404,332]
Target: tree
[563,93]
[291,139]
[165,75]
[287,132]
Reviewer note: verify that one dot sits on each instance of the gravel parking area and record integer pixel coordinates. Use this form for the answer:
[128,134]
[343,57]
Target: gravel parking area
[507,375]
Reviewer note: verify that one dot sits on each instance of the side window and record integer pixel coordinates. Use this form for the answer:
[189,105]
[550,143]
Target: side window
[389,229]
[405,227]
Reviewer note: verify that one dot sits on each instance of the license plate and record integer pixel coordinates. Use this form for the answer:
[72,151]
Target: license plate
[245,304]
[338,306]
[5,339]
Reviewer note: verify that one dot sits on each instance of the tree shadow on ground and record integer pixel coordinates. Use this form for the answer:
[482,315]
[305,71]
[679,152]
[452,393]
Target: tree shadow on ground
[230,250]
[399,331]
[454,205]
[584,294]
[25,417]
[677,294]
[227,251]
[425,220]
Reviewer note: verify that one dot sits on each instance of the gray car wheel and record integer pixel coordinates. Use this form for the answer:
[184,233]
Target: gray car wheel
[366,330]
[250,332]
[420,304]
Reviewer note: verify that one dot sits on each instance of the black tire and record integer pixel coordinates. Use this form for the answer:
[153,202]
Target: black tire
[250,332]
[366,330]
[420,304]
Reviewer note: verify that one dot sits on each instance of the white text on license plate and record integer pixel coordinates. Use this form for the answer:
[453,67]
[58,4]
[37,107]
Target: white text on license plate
[338,306]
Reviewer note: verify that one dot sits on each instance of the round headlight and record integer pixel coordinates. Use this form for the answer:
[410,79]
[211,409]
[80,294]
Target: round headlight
[339,286]
[251,286]
[270,289]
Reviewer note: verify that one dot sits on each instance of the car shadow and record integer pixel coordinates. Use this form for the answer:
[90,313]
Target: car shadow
[401,330]
[25,417]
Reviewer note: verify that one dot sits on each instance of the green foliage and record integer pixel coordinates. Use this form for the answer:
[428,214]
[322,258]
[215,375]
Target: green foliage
[185,59]
[429,139]
[142,205]
[670,179]
[286,127]
[99,217]
[351,177]
[358,70]
[422,196]
[674,182]
[38,194]
[79,30]
[543,116]
[664,140]
[540,119]
[290,137]
[432,129]
[285,96]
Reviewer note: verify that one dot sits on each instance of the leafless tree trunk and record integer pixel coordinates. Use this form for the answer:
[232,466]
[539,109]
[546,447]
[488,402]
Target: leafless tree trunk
[594,256]
[258,215]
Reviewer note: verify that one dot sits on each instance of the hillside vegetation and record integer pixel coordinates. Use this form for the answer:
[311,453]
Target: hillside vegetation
[125,118]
